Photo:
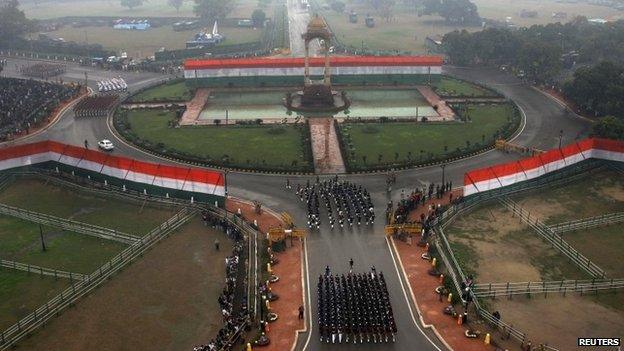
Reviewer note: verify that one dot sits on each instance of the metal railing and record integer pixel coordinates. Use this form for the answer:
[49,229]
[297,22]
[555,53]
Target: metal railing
[68,224]
[554,239]
[31,268]
[78,289]
[509,289]
[587,223]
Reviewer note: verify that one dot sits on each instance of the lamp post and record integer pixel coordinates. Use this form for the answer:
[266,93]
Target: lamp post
[560,137]
[443,166]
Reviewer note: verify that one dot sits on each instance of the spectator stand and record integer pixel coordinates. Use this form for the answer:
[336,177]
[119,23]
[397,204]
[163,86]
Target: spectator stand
[25,103]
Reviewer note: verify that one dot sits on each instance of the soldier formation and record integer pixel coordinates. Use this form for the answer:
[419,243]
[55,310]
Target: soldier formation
[355,308]
[96,106]
[42,70]
[345,203]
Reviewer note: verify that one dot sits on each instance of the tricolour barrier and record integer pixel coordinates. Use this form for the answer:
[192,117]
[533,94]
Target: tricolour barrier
[499,176]
[187,183]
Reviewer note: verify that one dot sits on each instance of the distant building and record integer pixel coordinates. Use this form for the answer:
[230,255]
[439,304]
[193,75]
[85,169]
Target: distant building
[205,39]
[434,44]
[560,15]
[132,24]
[597,20]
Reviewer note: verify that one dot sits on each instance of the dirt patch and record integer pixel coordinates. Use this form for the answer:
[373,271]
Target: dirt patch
[602,245]
[596,194]
[563,319]
[498,247]
[167,300]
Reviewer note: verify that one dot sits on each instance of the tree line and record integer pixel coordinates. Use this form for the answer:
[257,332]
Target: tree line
[538,50]
[599,91]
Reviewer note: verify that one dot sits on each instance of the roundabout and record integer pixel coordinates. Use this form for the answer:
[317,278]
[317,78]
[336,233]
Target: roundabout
[281,144]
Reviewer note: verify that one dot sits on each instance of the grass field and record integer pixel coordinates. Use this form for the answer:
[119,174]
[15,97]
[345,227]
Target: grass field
[594,195]
[246,146]
[167,300]
[45,9]
[20,241]
[422,141]
[21,292]
[496,247]
[602,245]
[36,195]
[177,91]
[407,31]
[145,43]
[450,87]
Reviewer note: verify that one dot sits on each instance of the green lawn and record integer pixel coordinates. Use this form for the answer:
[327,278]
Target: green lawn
[602,245]
[125,216]
[144,43]
[407,30]
[43,9]
[267,147]
[177,91]
[20,241]
[399,143]
[450,87]
[20,293]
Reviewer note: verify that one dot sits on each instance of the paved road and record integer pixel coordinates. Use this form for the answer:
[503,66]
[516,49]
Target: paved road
[544,120]
[298,19]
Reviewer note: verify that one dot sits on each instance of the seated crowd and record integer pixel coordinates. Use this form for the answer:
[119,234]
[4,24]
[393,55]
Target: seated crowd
[26,102]
[235,317]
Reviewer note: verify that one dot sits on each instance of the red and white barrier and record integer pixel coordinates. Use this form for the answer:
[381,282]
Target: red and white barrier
[502,175]
[341,65]
[187,179]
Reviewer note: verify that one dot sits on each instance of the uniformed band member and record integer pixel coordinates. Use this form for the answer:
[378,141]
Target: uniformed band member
[355,308]
[345,203]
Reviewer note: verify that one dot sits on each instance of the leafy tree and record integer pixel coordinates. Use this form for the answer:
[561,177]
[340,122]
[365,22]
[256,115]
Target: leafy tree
[212,10]
[338,6]
[258,17]
[13,22]
[598,90]
[454,11]
[385,9]
[131,4]
[609,127]
[176,4]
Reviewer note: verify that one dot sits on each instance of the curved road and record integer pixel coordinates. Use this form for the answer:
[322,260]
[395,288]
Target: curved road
[367,246]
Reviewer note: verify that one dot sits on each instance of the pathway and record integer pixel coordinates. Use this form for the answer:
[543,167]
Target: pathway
[195,107]
[423,285]
[434,100]
[282,332]
[325,146]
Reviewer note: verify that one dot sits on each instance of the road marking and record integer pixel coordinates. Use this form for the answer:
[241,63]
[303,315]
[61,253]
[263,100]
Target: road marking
[409,306]
[305,245]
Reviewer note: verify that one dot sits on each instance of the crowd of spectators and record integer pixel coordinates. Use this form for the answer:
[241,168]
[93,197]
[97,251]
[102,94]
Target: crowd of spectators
[235,318]
[26,102]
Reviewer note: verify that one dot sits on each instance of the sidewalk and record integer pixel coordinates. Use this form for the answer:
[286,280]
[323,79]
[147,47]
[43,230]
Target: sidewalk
[283,331]
[423,286]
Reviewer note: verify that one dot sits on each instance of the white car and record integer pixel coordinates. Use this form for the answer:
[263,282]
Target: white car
[106,145]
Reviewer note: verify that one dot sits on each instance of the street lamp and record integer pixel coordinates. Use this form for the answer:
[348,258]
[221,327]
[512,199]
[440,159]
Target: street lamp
[443,166]
[560,137]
